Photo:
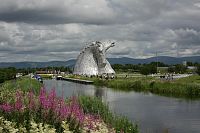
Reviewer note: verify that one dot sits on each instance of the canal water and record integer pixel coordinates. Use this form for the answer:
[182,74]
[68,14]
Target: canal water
[153,114]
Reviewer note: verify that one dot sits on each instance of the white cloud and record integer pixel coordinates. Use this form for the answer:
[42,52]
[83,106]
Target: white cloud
[56,11]
[58,29]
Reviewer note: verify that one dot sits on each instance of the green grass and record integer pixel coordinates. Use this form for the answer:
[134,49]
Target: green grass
[192,79]
[46,76]
[188,87]
[121,84]
[175,89]
[25,84]
[95,106]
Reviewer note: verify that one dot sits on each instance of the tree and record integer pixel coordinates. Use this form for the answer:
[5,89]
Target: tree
[148,69]
[179,68]
[2,76]
[171,69]
[144,70]
[7,74]
[198,69]
[118,66]
[159,64]
[190,63]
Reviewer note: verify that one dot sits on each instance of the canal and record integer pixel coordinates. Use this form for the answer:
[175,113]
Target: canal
[153,114]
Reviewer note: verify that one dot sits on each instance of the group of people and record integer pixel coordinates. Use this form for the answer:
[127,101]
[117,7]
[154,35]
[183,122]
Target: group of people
[102,76]
[167,76]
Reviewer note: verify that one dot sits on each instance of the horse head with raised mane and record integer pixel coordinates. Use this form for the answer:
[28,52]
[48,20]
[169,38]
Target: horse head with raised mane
[92,60]
[102,49]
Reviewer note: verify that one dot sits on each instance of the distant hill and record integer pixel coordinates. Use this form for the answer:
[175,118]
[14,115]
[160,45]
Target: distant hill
[164,59]
[123,60]
[69,63]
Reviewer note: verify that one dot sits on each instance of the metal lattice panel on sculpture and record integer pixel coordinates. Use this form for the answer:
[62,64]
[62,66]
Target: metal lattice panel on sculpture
[92,59]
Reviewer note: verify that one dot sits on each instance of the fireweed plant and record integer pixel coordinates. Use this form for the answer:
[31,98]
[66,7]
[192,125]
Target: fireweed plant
[27,111]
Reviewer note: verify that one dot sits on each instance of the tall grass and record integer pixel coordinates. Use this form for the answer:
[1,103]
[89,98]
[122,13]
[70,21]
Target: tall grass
[120,84]
[95,106]
[175,89]
[172,89]
[24,84]
[9,88]
[191,79]
[179,88]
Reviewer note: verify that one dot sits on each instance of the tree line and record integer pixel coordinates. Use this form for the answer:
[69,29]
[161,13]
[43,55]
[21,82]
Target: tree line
[10,72]
[153,68]
[7,74]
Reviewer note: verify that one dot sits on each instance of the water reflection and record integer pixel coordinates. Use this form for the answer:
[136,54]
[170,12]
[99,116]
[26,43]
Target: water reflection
[154,114]
[99,92]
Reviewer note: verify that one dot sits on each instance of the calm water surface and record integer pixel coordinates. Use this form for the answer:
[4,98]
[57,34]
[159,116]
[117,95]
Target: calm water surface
[154,114]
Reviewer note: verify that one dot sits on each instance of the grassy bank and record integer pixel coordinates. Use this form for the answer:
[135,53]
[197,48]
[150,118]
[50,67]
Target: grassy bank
[195,79]
[174,89]
[95,106]
[46,76]
[188,87]
[24,84]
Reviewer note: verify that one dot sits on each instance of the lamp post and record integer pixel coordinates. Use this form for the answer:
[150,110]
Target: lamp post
[156,62]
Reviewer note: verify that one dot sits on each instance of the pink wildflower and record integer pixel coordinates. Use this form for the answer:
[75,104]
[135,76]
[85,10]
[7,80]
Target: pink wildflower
[52,99]
[18,103]
[31,100]
[42,96]
[6,107]
[76,110]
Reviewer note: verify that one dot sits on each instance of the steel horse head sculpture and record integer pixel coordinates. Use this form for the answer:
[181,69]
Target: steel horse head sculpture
[92,59]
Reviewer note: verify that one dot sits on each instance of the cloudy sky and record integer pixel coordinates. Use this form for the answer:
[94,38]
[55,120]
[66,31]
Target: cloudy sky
[45,30]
